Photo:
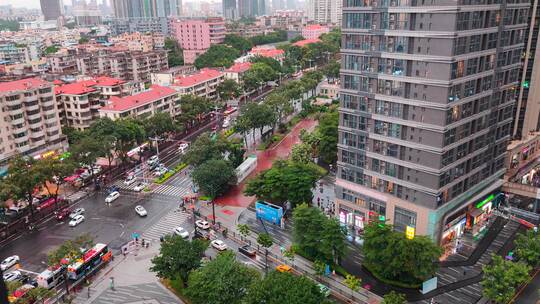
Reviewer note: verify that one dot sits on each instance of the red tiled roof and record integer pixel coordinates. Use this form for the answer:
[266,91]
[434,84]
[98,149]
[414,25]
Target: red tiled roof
[191,80]
[156,92]
[23,85]
[305,42]
[239,67]
[58,82]
[267,52]
[87,86]
[314,27]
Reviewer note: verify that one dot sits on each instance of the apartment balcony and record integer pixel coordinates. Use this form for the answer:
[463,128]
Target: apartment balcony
[37,135]
[21,139]
[47,103]
[38,142]
[13,103]
[32,107]
[49,112]
[18,111]
[17,121]
[33,116]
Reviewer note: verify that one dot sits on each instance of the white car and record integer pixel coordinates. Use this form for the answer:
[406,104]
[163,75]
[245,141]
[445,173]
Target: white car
[152,160]
[76,220]
[226,123]
[140,187]
[202,224]
[12,276]
[130,180]
[181,232]
[9,261]
[160,171]
[219,245]
[183,148]
[76,212]
[141,211]
[112,196]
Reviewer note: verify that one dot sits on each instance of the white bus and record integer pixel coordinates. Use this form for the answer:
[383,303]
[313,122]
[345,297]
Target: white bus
[51,278]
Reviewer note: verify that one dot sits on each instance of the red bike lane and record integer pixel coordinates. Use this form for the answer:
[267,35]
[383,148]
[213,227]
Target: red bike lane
[235,197]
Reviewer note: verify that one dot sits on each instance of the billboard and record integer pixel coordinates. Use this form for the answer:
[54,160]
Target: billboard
[269,212]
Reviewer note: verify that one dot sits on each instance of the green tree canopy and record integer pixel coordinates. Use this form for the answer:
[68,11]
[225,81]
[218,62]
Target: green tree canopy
[279,288]
[178,257]
[528,248]
[302,153]
[159,124]
[271,62]
[229,89]
[328,136]
[175,54]
[297,38]
[221,281]
[218,55]
[214,177]
[204,148]
[501,278]
[193,109]
[70,250]
[394,298]
[57,170]
[51,49]
[258,74]
[281,104]
[238,42]
[331,70]
[273,37]
[391,255]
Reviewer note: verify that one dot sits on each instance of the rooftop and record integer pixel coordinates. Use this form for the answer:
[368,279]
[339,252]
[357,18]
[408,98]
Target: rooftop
[305,42]
[239,67]
[23,85]
[315,27]
[155,92]
[191,80]
[87,86]
[267,52]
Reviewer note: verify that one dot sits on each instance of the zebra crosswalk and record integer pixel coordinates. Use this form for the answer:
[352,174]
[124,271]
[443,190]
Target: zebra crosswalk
[166,225]
[171,190]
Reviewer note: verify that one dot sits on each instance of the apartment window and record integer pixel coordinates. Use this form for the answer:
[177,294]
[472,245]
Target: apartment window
[378,207]
[357,20]
[403,218]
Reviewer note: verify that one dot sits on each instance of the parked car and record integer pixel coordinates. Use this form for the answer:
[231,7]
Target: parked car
[9,262]
[219,245]
[226,123]
[76,212]
[247,250]
[76,220]
[141,211]
[140,187]
[284,268]
[182,148]
[112,196]
[181,232]
[202,224]
[12,276]
[324,289]
[202,234]
[62,214]
[130,180]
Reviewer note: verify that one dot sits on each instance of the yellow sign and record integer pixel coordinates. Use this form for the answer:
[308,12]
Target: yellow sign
[409,232]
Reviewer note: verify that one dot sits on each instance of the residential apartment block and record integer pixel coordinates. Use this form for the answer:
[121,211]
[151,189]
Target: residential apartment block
[426,112]
[325,11]
[237,71]
[202,84]
[137,42]
[314,31]
[29,121]
[195,36]
[142,105]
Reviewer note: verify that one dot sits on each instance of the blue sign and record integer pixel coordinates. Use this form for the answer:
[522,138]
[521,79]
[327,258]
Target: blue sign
[269,212]
[429,285]
[135,235]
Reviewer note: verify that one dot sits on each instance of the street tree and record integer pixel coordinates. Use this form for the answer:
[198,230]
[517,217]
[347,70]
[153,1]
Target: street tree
[394,298]
[501,278]
[392,256]
[229,89]
[70,250]
[22,180]
[269,61]
[331,70]
[302,153]
[73,134]
[175,54]
[214,177]
[87,151]
[193,109]
[297,38]
[238,42]
[243,229]
[265,240]
[320,268]
[281,105]
[128,133]
[37,295]
[257,116]
[352,282]
[290,253]
[528,247]
[258,74]
[205,148]
[328,136]
[218,55]
[159,124]
[279,288]
[221,281]
[242,125]
[333,243]
[58,169]
[273,37]
[178,257]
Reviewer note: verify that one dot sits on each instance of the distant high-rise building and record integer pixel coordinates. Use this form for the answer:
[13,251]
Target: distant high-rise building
[51,9]
[230,11]
[324,11]
[278,4]
[251,8]
[86,12]
[291,4]
[146,8]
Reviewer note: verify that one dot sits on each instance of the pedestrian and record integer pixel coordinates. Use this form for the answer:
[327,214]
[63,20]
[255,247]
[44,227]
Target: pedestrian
[464,271]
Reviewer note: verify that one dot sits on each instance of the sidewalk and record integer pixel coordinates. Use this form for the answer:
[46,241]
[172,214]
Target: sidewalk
[133,282]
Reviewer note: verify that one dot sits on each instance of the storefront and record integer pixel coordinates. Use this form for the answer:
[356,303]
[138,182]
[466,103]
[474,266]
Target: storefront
[454,230]
[480,213]
[353,221]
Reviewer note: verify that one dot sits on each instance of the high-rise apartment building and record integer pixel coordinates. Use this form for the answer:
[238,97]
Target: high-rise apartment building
[230,11]
[51,9]
[426,112]
[146,8]
[195,36]
[528,105]
[29,120]
[324,11]
[251,8]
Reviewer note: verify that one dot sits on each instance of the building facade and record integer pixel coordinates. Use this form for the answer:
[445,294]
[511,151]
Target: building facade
[230,10]
[195,36]
[51,9]
[426,113]
[202,84]
[29,120]
[324,11]
[251,8]
[314,31]
[146,8]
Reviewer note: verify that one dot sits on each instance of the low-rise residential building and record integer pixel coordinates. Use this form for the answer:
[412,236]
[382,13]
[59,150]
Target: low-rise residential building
[263,51]
[237,71]
[138,42]
[314,31]
[202,84]
[330,90]
[29,120]
[142,105]
[165,78]
[79,102]
[11,53]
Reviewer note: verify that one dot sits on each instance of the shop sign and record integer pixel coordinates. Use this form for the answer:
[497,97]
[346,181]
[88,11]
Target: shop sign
[409,232]
[485,201]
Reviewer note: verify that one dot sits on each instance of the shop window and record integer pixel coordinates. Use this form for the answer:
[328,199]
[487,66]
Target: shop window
[404,218]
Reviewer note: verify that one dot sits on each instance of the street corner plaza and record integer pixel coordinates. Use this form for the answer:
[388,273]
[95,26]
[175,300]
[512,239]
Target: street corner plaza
[151,293]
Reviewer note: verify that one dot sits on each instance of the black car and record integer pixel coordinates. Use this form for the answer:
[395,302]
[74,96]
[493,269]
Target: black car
[247,250]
